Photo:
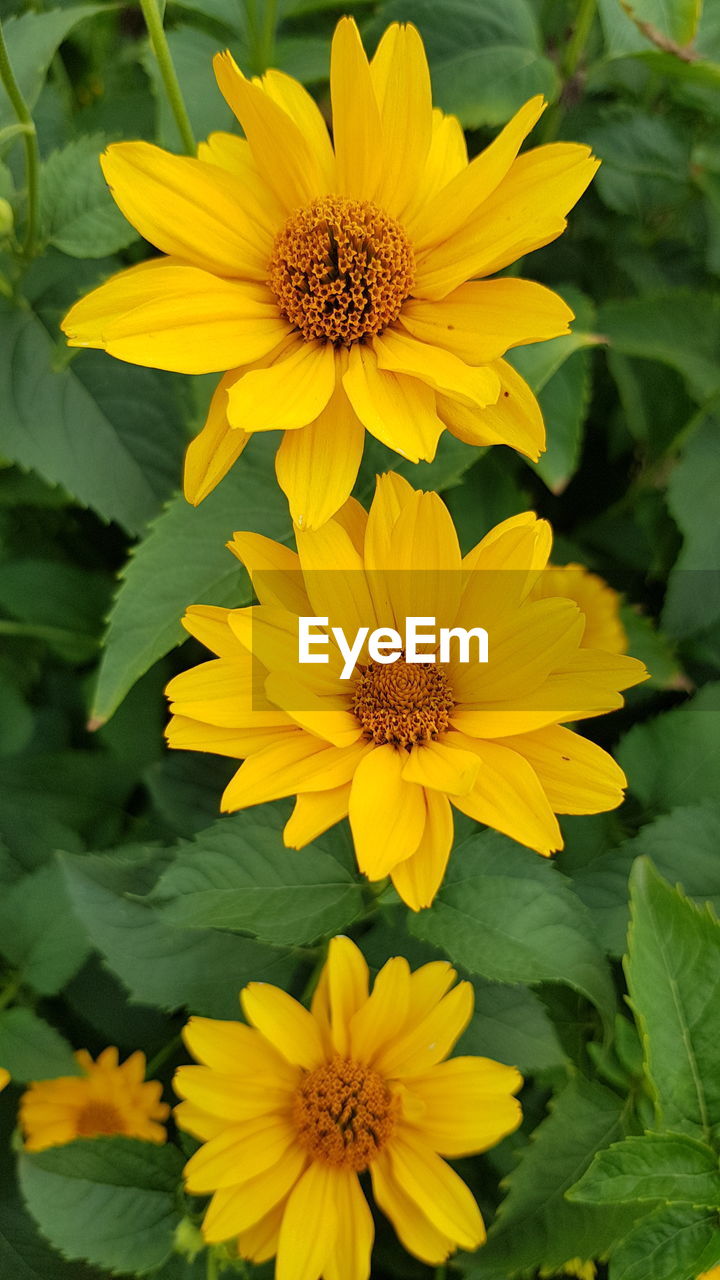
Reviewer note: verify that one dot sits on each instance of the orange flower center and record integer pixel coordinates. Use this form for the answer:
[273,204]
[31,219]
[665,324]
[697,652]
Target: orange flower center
[341,270]
[344,1114]
[403,703]
[99,1117]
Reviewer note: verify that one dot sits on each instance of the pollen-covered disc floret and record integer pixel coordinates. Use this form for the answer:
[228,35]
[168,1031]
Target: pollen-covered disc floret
[344,1114]
[99,1118]
[341,270]
[403,703]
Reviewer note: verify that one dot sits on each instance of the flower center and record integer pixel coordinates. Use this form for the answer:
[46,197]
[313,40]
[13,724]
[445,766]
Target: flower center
[99,1117]
[341,270]
[344,1114]
[403,703]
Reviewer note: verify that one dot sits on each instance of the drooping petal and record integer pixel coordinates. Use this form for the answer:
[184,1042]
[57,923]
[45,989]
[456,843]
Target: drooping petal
[197,211]
[509,797]
[218,446]
[314,813]
[418,879]
[260,1241]
[387,815]
[287,394]
[414,1228]
[283,156]
[398,410]
[438,1191]
[350,1258]
[317,467]
[515,419]
[309,1226]
[480,321]
[167,315]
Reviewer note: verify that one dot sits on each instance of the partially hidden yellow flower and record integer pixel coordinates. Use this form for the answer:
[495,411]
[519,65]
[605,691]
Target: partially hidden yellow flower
[714,1274]
[394,746]
[4,1078]
[339,286]
[576,1268]
[294,1107]
[599,603]
[109,1097]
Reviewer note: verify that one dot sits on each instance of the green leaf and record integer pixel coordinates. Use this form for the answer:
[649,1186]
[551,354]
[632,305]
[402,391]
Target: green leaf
[680,329]
[192,53]
[692,603]
[508,915]
[645,164]
[160,963]
[77,213]
[659,1166]
[683,846]
[32,40]
[16,718]
[183,560]
[109,433]
[238,875]
[31,1049]
[62,603]
[677,19]
[670,1244]
[673,759]
[536,1225]
[110,1201]
[673,977]
[39,934]
[510,1025]
[485,59]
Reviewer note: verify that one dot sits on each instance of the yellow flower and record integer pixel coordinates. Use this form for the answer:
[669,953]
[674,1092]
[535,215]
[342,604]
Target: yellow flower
[108,1098]
[339,286]
[597,601]
[393,746]
[4,1078]
[714,1274]
[575,1267]
[293,1108]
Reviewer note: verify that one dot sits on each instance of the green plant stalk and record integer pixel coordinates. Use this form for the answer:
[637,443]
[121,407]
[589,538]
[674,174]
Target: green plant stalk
[579,38]
[268,34]
[29,135]
[166,66]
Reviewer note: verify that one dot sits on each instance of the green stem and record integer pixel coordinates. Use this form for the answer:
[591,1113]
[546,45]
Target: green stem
[579,38]
[162,1056]
[161,49]
[211,1264]
[32,153]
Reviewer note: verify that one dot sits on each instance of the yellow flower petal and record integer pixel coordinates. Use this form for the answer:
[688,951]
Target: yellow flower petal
[508,796]
[211,454]
[401,79]
[166,315]
[335,578]
[468,1105]
[431,1038]
[303,109]
[233,1048]
[461,199]
[274,569]
[317,467]
[325,718]
[437,1190]
[350,1258]
[285,1023]
[230,1095]
[309,1226]
[425,579]
[399,352]
[376,1021]
[197,211]
[515,418]
[480,321]
[283,157]
[260,1241]
[576,775]
[419,877]
[442,767]
[287,394]
[399,411]
[347,980]
[526,211]
[210,625]
[387,815]
[234,1209]
[414,1228]
[239,1154]
[446,157]
[223,693]
[302,763]
[314,813]
[355,114]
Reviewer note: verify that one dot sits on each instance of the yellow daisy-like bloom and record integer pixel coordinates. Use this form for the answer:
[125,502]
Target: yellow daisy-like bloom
[710,1275]
[4,1078]
[393,746]
[339,286]
[599,603]
[294,1107]
[110,1097]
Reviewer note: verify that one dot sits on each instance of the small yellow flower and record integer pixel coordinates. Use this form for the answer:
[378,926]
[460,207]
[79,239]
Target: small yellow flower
[394,746]
[599,603]
[575,1267]
[108,1098]
[340,286]
[710,1275]
[4,1078]
[294,1107]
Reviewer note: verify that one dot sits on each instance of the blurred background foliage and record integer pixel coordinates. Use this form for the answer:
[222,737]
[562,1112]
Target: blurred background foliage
[111,922]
